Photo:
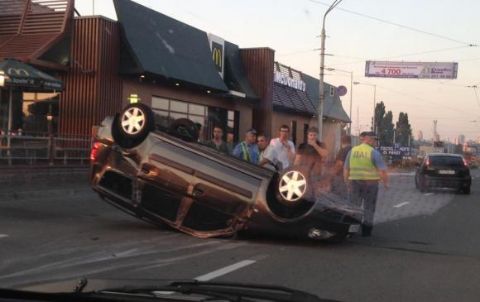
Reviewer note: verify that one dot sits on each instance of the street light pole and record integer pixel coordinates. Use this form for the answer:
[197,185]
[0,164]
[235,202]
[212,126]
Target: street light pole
[321,85]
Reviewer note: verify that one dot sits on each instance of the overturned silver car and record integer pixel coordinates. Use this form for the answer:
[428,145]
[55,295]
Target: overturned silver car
[165,177]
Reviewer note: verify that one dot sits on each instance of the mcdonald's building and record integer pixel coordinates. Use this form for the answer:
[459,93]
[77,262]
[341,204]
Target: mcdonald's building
[178,70]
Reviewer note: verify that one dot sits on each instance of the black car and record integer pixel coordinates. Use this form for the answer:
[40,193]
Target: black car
[165,176]
[443,170]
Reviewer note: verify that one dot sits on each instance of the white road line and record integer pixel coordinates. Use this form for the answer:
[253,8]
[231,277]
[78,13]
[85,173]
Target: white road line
[3,236]
[225,270]
[428,194]
[401,204]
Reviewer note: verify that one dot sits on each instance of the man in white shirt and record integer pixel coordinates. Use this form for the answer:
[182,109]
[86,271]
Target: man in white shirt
[281,151]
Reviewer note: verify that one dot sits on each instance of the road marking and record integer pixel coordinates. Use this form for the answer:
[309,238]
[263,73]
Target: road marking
[3,236]
[225,270]
[428,194]
[401,204]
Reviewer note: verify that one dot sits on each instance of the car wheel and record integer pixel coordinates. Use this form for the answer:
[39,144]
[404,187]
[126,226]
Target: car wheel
[132,125]
[184,129]
[292,187]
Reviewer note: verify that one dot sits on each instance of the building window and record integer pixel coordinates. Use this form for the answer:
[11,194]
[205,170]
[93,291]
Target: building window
[293,127]
[305,132]
[167,110]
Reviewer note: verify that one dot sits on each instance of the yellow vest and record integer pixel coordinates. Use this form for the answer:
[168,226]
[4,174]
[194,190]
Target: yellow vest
[361,163]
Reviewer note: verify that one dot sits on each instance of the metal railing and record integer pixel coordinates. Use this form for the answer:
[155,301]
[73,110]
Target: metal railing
[31,150]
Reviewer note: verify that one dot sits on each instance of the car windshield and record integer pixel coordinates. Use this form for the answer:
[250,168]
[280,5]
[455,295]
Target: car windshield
[246,150]
[453,161]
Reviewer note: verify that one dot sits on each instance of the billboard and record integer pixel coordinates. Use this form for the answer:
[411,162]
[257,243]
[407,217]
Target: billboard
[411,70]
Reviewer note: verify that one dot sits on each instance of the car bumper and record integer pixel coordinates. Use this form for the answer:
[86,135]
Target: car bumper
[444,182]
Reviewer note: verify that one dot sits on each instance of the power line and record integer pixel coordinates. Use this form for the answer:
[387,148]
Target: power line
[476,94]
[399,25]
[406,55]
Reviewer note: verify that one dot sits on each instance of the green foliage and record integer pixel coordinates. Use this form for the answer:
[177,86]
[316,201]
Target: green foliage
[403,129]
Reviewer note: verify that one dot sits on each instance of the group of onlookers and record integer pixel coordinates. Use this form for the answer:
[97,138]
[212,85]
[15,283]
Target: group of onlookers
[355,173]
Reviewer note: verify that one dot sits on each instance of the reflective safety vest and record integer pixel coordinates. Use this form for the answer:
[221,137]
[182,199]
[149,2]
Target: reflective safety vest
[361,163]
[245,152]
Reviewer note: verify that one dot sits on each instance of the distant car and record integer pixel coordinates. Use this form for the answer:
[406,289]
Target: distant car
[443,170]
[166,177]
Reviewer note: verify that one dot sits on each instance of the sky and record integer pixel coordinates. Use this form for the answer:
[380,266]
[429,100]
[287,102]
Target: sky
[357,30]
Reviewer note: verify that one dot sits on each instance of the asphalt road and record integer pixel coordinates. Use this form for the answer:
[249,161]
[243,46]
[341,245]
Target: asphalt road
[425,247]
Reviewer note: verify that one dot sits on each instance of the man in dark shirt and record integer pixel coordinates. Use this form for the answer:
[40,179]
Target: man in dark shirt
[311,156]
[217,141]
[339,187]
[342,154]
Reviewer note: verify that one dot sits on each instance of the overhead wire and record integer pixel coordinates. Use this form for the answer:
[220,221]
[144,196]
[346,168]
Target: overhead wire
[470,44]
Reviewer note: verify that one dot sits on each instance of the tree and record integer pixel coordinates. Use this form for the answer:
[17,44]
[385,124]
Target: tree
[387,127]
[383,125]
[403,129]
[379,115]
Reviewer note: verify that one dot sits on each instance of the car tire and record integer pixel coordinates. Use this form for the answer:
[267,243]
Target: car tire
[184,129]
[132,125]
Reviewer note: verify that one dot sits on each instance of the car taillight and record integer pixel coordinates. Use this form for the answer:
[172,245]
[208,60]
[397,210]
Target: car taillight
[95,150]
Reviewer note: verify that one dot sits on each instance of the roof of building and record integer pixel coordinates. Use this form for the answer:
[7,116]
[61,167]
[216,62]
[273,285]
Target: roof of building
[163,46]
[29,29]
[235,77]
[332,107]
[305,102]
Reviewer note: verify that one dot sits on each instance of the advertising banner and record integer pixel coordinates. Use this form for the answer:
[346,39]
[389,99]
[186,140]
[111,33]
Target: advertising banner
[411,70]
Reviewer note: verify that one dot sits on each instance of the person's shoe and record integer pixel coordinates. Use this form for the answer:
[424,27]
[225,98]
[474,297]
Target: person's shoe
[366,231]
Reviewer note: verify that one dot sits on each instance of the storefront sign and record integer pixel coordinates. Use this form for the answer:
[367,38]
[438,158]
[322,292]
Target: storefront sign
[413,70]
[217,46]
[283,79]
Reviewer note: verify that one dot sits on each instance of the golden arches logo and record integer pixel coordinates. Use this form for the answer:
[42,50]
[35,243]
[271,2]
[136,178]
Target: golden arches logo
[217,56]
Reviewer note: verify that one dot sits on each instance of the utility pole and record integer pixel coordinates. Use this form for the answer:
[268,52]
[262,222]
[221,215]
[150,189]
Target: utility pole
[321,85]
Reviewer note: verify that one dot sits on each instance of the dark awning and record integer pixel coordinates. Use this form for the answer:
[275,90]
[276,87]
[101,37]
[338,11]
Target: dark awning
[292,100]
[234,73]
[28,78]
[165,47]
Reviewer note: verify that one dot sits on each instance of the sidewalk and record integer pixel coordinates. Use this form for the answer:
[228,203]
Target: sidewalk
[42,181]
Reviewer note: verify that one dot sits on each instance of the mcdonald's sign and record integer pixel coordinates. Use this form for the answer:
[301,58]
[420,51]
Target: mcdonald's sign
[217,55]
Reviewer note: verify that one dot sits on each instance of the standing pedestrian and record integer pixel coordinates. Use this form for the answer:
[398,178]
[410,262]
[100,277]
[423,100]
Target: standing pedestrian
[248,149]
[217,141]
[312,155]
[282,150]
[339,186]
[363,169]
[230,141]
[265,149]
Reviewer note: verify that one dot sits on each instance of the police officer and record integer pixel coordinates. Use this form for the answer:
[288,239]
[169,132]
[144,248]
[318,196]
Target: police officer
[248,149]
[363,169]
